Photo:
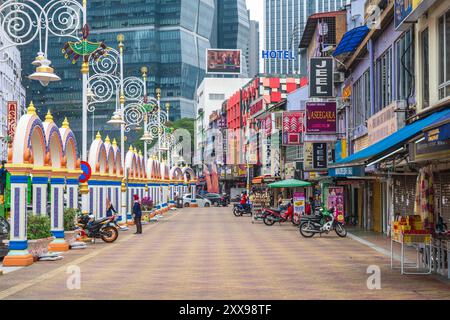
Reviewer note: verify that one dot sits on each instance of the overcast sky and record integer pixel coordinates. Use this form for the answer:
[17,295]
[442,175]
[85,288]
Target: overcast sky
[256,8]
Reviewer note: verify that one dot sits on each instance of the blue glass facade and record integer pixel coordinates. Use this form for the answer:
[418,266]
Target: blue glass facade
[170,37]
[285,21]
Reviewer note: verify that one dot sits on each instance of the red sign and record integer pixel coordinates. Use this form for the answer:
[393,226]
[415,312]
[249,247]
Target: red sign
[293,126]
[12,119]
[255,108]
[87,172]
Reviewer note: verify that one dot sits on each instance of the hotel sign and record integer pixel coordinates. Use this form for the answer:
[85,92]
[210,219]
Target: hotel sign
[321,78]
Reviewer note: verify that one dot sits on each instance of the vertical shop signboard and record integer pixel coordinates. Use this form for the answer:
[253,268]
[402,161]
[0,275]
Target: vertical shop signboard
[321,78]
[336,201]
[12,119]
[299,205]
[320,156]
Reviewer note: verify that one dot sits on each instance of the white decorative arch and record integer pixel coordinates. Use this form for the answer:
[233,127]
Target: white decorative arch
[176,174]
[97,156]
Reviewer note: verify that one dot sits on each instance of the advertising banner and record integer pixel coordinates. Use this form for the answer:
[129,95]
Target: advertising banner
[12,119]
[299,205]
[293,127]
[336,201]
[223,61]
[382,124]
[321,78]
[321,117]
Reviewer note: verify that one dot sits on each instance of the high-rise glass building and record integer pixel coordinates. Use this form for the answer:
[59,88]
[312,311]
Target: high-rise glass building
[170,37]
[233,28]
[285,21]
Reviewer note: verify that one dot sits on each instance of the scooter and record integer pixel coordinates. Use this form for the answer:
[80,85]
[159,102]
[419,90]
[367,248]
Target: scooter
[323,223]
[278,215]
[104,228]
[239,209]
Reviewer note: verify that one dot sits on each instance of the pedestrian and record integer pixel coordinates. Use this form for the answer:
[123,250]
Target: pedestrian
[109,208]
[280,200]
[312,204]
[137,214]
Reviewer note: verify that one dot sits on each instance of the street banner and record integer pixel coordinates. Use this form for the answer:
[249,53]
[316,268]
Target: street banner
[222,121]
[320,156]
[223,61]
[321,117]
[12,119]
[336,201]
[293,127]
[299,205]
[321,78]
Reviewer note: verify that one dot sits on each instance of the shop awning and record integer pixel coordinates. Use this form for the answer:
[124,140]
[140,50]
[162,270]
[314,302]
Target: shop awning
[351,40]
[392,142]
[290,183]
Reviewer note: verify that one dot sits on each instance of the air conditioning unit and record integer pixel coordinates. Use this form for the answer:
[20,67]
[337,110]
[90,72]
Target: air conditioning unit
[338,77]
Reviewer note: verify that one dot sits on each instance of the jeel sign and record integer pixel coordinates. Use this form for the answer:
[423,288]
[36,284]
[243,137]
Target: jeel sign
[321,78]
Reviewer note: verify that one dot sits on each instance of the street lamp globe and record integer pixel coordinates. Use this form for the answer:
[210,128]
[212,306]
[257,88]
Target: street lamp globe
[146,137]
[44,73]
[116,119]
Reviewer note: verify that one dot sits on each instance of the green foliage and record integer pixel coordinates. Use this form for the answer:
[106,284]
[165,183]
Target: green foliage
[70,218]
[38,227]
[184,123]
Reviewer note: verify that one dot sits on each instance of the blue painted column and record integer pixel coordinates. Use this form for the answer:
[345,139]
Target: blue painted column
[18,254]
[57,214]
[39,195]
[194,193]
[172,193]
[72,193]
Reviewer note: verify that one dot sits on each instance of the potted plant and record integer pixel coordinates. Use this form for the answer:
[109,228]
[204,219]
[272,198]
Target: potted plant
[39,235]
[147,205]
[70,220]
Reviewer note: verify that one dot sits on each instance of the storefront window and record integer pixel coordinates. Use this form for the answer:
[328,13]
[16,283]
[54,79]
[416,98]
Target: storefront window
[383,74]
[425,69]
[404,66]
[444,55]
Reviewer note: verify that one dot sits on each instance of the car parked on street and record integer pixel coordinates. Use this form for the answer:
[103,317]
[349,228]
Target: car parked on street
[201,201]
[213,197]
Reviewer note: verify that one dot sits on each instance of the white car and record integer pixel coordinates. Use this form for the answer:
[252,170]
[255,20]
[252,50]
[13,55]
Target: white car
[201,201]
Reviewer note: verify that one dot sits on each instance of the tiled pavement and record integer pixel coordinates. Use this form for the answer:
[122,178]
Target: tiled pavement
[210,254]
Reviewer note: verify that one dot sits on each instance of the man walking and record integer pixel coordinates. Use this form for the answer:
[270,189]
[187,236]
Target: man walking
[137,214]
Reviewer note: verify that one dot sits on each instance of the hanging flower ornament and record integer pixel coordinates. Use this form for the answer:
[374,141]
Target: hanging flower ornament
[84,48]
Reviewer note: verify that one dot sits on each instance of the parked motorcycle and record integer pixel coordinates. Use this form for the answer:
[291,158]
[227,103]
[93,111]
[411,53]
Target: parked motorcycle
[4,226]
[104,228]
[224,200]
[323,223]
[277,215]
[239,209]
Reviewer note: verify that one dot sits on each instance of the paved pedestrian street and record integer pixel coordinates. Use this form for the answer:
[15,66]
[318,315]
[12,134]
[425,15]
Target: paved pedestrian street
[207,253]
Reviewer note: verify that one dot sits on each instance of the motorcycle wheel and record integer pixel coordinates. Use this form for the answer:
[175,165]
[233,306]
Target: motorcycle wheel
[109,234]
[304,230]
[236,212]
[268,222]
[340,230]
[4,226]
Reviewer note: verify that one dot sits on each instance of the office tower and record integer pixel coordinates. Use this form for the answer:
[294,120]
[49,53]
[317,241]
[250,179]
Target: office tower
[285,21]
[253,49]
[169,37]
[233,28]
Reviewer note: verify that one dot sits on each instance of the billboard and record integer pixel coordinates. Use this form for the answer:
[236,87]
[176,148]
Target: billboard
[321,117]
[223,61]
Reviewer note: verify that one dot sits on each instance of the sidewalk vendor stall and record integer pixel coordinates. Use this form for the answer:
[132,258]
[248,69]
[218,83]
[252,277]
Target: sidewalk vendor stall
[296,190]
[261,197]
